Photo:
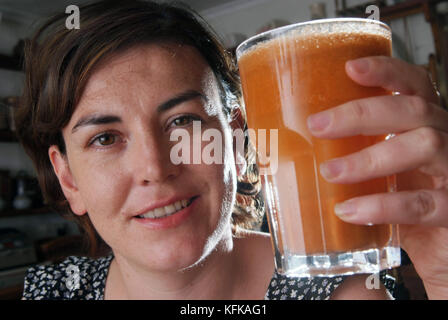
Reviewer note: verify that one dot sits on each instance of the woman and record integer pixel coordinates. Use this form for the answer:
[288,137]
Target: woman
[99,109]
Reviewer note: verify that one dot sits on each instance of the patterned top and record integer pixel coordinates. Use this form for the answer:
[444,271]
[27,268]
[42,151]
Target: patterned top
[75,278]
[286,288]
[83,278]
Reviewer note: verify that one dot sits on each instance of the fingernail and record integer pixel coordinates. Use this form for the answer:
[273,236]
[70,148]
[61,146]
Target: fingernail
[318,122]
[359,65]
[345,209]
[332,168]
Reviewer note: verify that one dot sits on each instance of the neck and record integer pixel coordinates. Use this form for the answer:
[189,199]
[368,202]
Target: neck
[212,278]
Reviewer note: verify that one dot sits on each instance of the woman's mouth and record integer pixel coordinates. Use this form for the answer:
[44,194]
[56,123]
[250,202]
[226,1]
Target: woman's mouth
[169,216]
[168,210]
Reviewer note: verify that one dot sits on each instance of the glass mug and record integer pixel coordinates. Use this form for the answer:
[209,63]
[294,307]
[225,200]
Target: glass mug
[288,74]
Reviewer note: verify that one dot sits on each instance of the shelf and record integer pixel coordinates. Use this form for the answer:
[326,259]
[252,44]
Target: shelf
[10,63]
[7,136]
[406,8]
[11,293]
[395,11]
[25,212]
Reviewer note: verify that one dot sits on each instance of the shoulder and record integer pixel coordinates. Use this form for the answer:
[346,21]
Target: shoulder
[254,243]
[253,237]
[73,278]
[257,260]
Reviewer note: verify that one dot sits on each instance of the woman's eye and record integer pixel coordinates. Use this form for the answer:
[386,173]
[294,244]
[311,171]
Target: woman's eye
[184,120]
[105,139]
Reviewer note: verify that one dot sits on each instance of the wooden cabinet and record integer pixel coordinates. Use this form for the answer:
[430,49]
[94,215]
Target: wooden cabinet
[12,293]
[7,136]
[437,64]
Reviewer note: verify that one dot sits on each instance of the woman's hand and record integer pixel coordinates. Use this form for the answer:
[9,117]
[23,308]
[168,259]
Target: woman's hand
[418,154]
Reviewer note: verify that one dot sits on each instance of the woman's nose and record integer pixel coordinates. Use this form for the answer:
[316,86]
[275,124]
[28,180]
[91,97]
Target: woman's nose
[150,160]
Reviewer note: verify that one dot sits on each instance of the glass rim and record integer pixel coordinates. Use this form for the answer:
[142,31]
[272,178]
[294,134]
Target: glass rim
[255,39]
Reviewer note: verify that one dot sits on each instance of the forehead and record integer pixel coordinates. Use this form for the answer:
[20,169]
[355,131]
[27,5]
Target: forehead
[145,76]
[156,65]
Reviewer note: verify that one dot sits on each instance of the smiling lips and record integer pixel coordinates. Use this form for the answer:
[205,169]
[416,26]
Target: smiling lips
[172,215]
[167,210]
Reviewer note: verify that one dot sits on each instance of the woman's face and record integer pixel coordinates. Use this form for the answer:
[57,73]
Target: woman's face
[118,166]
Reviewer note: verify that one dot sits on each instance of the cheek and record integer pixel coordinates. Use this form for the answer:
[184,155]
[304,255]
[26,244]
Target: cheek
[102,185]
[222,173]
[104,192]
[222,179]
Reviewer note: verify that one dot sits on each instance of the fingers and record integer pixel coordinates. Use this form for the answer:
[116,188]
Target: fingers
[423,207]
[393,75]
[421,142]
[414,149]
[377,115]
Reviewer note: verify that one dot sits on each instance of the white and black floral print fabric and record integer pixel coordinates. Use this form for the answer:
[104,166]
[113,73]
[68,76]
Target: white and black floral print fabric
[313,288]
[285,288]
[83,278]
[75,278]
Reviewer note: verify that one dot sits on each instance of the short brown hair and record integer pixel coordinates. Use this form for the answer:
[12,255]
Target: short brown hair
[59,61]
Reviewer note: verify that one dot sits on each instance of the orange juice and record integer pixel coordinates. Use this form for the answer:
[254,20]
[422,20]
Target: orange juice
[285,80]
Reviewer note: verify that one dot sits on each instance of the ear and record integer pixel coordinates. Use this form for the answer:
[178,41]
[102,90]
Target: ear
[237,126]
[62,170]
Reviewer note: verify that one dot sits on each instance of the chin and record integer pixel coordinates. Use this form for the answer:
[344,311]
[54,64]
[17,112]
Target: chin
[220,241]
[193,254]
[171,257]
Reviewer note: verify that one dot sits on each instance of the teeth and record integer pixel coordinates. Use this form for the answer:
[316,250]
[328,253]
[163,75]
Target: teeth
[167,210]
[150,214]
[170,209]
[159,212]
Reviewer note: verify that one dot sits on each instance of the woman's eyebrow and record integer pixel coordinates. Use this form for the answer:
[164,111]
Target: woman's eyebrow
[180,98]
[95,119]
